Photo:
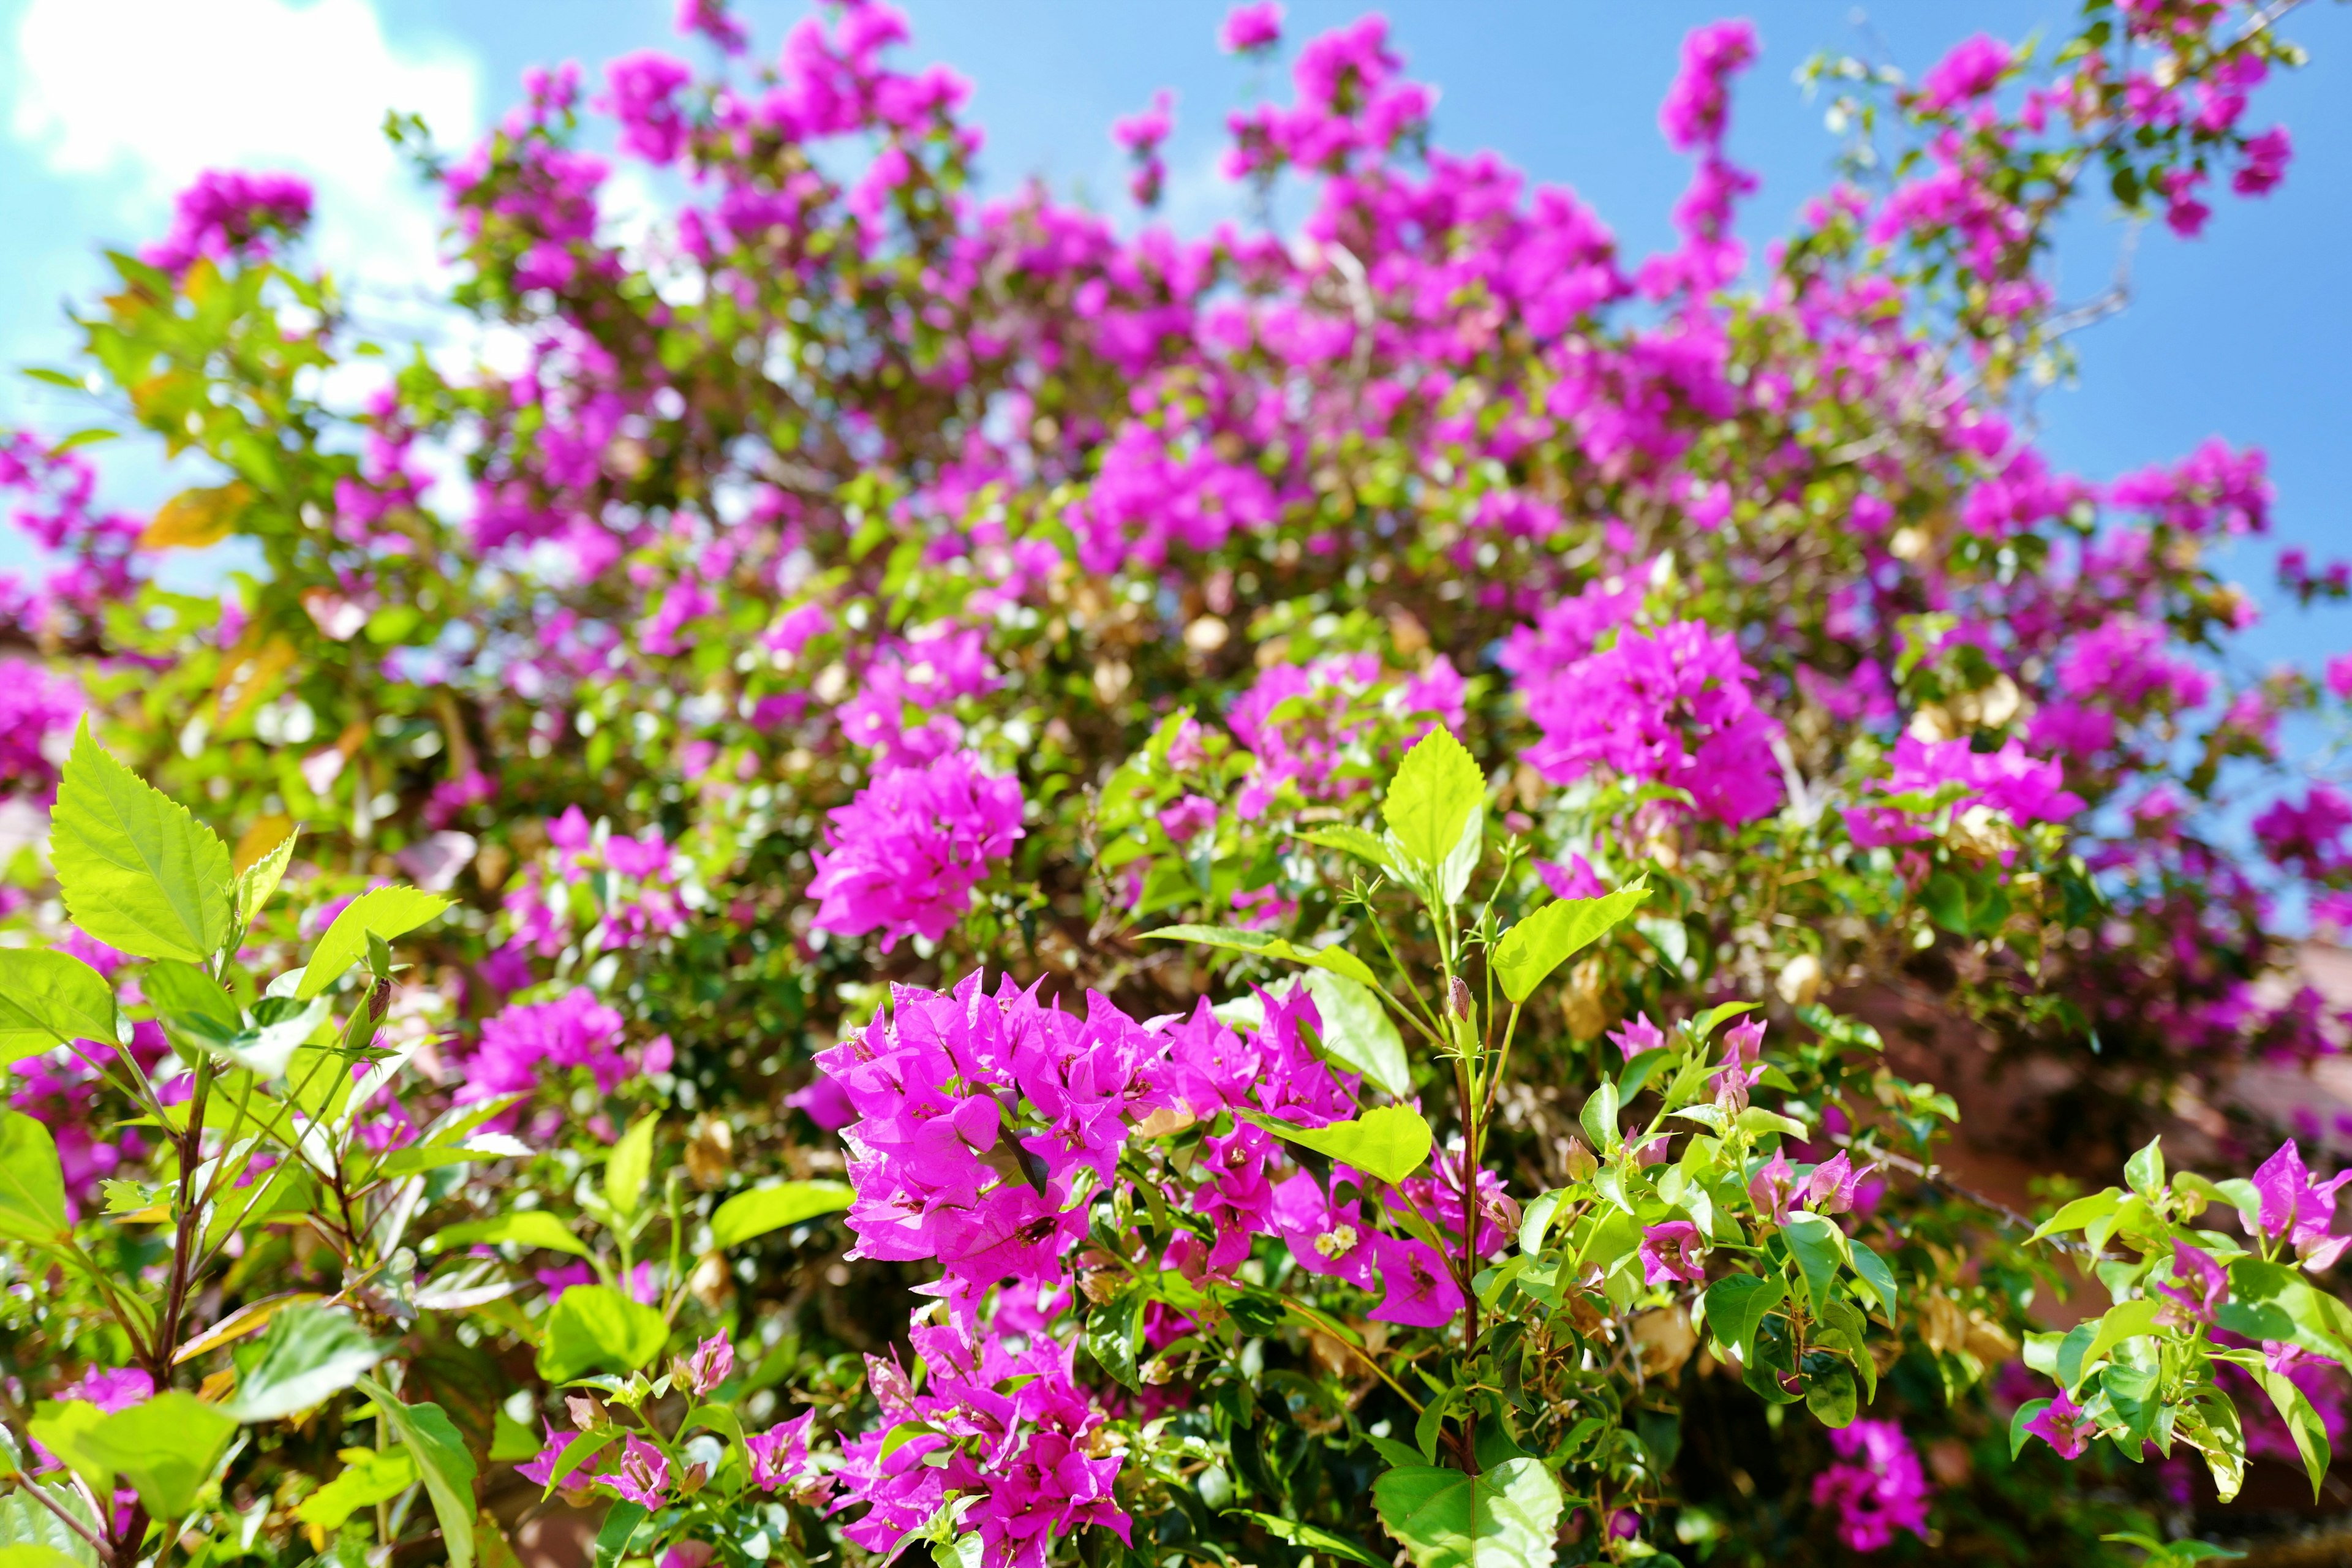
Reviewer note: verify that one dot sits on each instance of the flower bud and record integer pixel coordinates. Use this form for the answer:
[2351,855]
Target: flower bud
[1578,1160]
[707,1367]
[1458,997]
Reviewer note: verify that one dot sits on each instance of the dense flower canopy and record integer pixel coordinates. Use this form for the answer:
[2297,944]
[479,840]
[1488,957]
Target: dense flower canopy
[817,657]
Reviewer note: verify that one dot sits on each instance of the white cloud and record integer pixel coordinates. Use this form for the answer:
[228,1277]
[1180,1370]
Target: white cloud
[141,95]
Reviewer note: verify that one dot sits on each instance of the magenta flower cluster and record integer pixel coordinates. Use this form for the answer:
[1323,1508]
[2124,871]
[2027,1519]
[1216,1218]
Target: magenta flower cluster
[1875,1487]
[227,213]
[903,858]
[987,1125]
[1668,705]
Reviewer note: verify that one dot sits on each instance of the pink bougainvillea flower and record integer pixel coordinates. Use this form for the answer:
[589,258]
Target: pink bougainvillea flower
[903,858]
[707,1367]
[1771,1188]
[779,1454]
[1419,1290]
[1876,1485]
[2063,1426]
[1672,1251]
[643,1474]
[2203,1285]
[2298,1211]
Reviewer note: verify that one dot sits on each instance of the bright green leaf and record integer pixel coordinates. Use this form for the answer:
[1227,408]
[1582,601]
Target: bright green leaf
[594,1328]
[1437,788]
[64,1429]
[280,1027]
[2303,1423]
[2144,1171]
[763,1209]
[388,912]
[631,1162]
[1599,1119]
[1388,1142]
[165,1448]
[50,999]
[32,1183]
[192,1001]
[525,1227]
[1506,1517]
[36,1555]
[1357,1032]
[1737,1307]
[137,871]
[2124,1321]
[369,1475]
[1353,841]
[442,1460]
[258,881]
[2080,1213]
[308,1354]
[1546,939]
[33,1536]
[1338,961]
[1872,1271]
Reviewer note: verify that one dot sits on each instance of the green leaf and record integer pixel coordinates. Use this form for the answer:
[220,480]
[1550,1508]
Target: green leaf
[618,1533]
[1113,1331]
[165,1448]
[1388,1142]
[2173,1553]
[1599,1119]
[1546,939]
[1313,1537]
[594,1328]
[1756,1121]
[1818,1246]
[308,1354]
[2144,1171]
[388,912]
[1506,1517]
[1338,961]
[2081,1211]
[442,1460]
[65,1430]
[525,1227]
[192,1001]
[1453,872]
[369,1476]
[2027,1412]
[763,1209]
[42,1554]
[31,1536]
[137,871]
[51,999]
[1737,1307]
[1831,1396]
[282,1027]
[2309,1432]
[257,882]
[32,1183]
[1872,1271]
[1357,1032]
[631,1162]
[1353,841]
[1437,788]
[2214,1428]
[2124,1321]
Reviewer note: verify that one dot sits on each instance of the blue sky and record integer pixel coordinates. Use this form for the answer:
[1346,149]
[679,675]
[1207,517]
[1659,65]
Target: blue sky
[108,105]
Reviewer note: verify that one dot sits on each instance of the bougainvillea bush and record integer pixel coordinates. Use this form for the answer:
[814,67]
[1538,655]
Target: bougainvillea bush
[872,873]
